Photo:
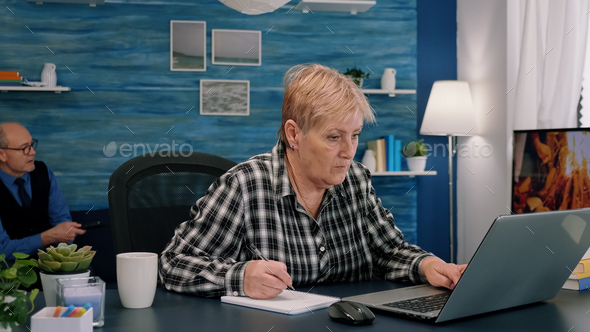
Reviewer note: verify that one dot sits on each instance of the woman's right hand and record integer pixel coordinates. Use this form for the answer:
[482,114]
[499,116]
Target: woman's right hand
[265,279]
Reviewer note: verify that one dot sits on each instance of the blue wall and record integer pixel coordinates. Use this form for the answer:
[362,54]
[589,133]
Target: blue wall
[119,56]
[437,60]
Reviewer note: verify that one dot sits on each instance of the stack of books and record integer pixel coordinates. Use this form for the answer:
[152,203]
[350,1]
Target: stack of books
[387,152]
[10,78]
[580,279]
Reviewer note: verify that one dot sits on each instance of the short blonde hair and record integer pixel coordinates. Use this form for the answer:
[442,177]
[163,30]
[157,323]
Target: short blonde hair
[315,94]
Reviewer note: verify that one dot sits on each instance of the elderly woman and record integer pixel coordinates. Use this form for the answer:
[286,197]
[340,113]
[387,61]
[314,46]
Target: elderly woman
[306,206]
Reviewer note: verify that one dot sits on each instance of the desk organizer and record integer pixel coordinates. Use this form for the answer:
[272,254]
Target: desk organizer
[79,291]
[43,321]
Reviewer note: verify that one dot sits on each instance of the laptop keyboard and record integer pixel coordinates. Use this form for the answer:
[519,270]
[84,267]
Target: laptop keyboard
[422,304]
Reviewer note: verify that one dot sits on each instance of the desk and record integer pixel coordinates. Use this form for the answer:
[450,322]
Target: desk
[179,312]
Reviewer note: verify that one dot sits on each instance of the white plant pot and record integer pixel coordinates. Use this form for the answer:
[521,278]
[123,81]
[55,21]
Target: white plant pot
[357,81]
[416,164]
[50,286]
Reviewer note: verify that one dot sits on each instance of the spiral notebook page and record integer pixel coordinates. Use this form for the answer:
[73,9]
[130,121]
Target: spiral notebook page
[288,302]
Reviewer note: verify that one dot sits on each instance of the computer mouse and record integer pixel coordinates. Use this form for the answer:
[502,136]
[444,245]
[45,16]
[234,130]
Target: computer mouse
[350,313]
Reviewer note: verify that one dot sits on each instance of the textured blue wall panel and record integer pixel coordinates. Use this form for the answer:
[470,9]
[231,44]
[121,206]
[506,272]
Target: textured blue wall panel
[118,56]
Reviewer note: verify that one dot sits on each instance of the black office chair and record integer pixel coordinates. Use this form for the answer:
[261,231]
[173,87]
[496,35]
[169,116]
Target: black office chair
[149,196]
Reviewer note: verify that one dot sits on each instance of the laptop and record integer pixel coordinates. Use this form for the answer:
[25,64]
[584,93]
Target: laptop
[524,258]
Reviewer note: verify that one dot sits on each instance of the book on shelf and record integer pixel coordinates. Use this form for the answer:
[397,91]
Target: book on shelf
[372,145]
[387,152]
[397,151]
[390,156]
[577,284]
[8,73]
[10,78]
[381,163]
[378,148]
[10,81]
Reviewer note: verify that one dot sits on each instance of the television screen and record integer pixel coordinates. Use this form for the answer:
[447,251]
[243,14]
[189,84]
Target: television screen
[550,170]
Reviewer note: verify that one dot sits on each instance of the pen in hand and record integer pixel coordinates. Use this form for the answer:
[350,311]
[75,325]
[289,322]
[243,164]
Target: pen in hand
[259,254]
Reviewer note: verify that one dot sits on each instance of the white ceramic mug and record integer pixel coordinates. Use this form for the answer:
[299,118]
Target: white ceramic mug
[137,276]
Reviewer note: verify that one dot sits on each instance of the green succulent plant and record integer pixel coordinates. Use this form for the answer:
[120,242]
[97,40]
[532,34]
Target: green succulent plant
[415,149]
[65,258]
[356,75]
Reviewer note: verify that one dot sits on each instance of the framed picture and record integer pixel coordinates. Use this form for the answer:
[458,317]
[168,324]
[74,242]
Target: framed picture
[225,97]
[236,47]
[188,47]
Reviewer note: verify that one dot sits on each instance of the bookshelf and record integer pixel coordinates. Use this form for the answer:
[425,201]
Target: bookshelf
[391,93]
[91,3]
[56,89]
[352,6]
[404,173]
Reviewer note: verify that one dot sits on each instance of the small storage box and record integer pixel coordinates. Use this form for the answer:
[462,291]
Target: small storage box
[43,321]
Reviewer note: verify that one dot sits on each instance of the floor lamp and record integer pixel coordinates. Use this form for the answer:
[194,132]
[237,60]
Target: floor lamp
[449,112]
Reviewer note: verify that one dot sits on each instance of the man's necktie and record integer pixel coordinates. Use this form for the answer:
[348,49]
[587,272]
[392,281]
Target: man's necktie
[22,193]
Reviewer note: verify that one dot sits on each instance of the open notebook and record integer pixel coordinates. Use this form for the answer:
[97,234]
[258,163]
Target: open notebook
[288,302]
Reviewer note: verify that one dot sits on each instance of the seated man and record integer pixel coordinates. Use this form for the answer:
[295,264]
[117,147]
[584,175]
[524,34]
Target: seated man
[34,213]
[306,206]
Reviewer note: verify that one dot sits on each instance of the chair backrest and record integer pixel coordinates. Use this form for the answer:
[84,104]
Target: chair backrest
[150,195]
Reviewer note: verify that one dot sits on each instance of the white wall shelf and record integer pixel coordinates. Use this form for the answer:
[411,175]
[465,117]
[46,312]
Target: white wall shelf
[92,3]
[56,89]
[404,173]
[352,6]
[389,92]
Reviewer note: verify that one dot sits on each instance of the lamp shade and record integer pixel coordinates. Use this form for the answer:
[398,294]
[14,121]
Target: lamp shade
[254,7]
[449,110]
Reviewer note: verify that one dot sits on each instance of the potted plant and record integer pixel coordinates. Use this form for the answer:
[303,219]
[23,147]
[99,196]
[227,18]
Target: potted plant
[415,153]
[14,302]
[356,75]
[62,262]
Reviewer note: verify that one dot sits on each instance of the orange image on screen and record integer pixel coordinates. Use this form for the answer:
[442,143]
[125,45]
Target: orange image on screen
[551,171]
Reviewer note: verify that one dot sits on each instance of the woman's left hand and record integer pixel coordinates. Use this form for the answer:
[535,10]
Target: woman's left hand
[441,274]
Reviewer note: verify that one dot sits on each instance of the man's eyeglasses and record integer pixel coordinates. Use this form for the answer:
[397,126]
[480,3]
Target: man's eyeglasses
[27,149]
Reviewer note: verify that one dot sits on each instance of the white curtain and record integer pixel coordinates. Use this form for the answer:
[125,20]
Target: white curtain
[585,102]
[550,61]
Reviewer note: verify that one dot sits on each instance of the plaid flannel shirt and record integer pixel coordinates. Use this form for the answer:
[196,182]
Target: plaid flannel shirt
[253,205]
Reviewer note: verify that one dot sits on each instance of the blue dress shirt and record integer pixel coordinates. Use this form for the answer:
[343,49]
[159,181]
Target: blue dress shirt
[58,213]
